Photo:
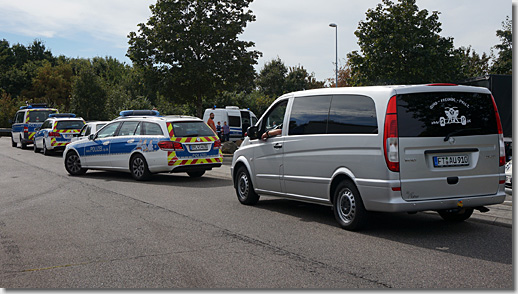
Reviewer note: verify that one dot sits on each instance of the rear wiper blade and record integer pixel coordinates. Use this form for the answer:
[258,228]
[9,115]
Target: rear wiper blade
[458,132]
[192,135]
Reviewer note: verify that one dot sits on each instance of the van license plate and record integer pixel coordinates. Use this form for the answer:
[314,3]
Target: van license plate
[199,147]
[450,160]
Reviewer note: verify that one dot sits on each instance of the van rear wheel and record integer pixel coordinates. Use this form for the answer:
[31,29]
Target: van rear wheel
[456,215]
[348,206]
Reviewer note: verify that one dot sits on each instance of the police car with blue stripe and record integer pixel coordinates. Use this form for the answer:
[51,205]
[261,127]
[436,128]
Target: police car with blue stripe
[26,121]
[143,143]
[56,132]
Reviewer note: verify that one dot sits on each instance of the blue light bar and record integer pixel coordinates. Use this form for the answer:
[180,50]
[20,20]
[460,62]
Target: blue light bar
[62,115]
[139,113]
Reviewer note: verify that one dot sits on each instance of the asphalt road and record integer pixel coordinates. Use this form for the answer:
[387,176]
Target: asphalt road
[105,230]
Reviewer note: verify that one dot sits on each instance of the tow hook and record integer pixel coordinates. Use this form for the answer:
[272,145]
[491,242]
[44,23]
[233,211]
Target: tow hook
[482,209]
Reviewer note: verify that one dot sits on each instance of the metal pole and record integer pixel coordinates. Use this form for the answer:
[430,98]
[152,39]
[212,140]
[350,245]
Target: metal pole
[333,25]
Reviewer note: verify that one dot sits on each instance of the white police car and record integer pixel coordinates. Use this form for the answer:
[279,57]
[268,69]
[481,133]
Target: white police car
[26,121]
[142,142]
[56,132]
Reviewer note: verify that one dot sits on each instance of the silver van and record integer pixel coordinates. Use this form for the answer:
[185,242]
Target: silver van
[387,148]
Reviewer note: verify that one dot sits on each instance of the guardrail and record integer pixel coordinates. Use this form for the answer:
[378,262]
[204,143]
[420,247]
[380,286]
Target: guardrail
[5,132]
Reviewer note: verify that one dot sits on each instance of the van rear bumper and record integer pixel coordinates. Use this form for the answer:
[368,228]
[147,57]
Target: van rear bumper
[398,204]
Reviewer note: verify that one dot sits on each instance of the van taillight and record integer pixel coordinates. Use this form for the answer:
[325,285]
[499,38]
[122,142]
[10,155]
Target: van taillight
[501,161]
[170,146]
[390,136]
[25,129]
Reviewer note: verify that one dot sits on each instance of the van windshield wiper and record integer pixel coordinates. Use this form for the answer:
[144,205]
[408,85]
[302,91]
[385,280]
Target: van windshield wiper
[458,132]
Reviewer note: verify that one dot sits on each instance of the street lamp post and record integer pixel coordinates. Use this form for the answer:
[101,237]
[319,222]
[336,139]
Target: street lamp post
[333,25]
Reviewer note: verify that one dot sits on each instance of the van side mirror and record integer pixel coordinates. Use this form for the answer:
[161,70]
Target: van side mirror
[252,132]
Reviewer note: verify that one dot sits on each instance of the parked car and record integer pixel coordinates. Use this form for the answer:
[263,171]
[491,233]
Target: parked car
[389,149]
[56,132]
[237,119]
[509,177]
[90,127]
[143,143]
[26,121]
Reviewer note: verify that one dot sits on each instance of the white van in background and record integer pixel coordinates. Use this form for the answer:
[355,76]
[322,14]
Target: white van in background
[238,119]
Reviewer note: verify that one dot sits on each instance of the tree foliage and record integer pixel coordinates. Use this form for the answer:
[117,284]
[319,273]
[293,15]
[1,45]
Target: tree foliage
[401,44]
[504,62]
[193,47]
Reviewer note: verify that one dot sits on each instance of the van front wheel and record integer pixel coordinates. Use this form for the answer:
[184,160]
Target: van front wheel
[456,215]
[244,188]
[348,206]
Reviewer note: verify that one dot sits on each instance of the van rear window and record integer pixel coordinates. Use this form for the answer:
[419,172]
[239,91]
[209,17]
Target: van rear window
[39,115]
[445,113]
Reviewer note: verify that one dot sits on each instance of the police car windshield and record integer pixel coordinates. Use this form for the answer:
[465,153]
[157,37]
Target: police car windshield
[70,125]
[192,129]
[39,115]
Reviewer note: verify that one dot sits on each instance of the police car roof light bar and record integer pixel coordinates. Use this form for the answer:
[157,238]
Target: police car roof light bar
[139,113]
[62,115]
[34,105]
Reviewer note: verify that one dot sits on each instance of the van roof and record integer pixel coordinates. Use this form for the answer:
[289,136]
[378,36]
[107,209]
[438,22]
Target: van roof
[391,90]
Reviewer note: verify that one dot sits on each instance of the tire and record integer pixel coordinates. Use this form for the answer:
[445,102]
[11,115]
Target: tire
[456,216]
[24,146]
[13,143]
[348,206]
[196,174]
[244,188]
[46,151]
[36,149]
[139,169]
[73,164]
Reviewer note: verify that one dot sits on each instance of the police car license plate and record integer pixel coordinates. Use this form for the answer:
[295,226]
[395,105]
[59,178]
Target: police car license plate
[450,160]
[199,147]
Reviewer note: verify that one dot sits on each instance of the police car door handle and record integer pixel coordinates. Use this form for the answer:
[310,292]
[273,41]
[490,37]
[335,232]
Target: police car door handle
[277,146]
[106,143]
[131,141]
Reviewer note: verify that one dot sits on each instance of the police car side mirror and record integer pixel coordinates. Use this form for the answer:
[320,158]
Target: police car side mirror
[91,137]
[253,132]
[37,129]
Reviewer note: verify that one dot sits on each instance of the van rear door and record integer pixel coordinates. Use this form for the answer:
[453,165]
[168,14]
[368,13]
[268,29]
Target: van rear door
[448,145]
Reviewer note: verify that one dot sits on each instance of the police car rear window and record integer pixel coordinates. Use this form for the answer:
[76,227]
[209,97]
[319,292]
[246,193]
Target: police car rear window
[70,125]
[192,129]
[445,113]
[39,115]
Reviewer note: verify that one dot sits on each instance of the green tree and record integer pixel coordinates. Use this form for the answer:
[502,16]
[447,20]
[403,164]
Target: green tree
[472,64]
[272,77]
[400,44]
[504,62]
[53,85]
[88,95]
[193,48]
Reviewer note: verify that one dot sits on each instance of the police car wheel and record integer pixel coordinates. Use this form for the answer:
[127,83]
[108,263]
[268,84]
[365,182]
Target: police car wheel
[45,150]
[196,174]
[244,188]
[139,168]
[73,164]
[24,146]
[456,215]
[348,206]
[36,149]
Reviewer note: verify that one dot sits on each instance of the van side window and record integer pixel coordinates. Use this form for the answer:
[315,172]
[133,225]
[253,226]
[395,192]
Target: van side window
[275,118]
[309,115]
[19,117]
[234,121]
[352,114]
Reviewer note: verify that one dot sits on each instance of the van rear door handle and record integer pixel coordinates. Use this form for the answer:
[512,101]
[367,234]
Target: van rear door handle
[277,146]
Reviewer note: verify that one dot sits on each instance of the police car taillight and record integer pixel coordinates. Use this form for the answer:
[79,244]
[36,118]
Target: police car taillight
[217,144]
[54,134]
[170,146]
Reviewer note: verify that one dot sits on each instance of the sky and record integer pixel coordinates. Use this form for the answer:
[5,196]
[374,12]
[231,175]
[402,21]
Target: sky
[296,31]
